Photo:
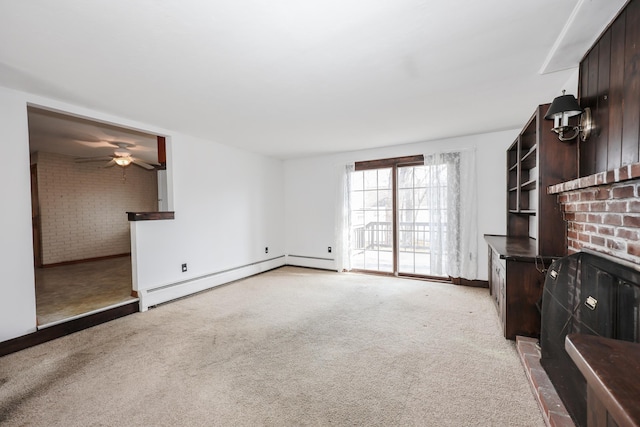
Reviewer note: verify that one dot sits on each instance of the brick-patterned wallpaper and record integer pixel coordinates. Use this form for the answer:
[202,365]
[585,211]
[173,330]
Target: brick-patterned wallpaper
[83,206]
[605,218]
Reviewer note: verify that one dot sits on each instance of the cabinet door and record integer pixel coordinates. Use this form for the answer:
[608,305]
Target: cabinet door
[494,276]
[523,289]
[502,295]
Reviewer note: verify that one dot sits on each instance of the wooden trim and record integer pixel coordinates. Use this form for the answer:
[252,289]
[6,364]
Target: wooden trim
[425,277]
[387,163]
[162,152]
[471,283]
[66,328]
[407,276]
[394,214]
[36,225]
[150,216]
[372,272]
[80,261]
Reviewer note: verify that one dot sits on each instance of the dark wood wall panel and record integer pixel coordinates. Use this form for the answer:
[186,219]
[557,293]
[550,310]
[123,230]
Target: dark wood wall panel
[616,86]
[589,98]
[631,102]
[610,85]
[601,114]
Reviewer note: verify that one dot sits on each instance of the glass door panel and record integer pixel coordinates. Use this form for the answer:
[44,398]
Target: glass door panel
[421,219]
[372,220]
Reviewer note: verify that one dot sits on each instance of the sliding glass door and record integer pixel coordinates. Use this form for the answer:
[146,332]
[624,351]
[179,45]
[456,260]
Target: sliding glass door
[400,216]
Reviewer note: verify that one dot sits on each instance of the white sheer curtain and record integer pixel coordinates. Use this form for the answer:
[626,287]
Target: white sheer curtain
[342,220]
[453,217]
[450,212]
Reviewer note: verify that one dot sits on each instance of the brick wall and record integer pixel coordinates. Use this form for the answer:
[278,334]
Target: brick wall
[83,206]
[603,212]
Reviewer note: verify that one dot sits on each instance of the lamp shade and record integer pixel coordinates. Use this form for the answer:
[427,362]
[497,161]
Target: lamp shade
[563,105]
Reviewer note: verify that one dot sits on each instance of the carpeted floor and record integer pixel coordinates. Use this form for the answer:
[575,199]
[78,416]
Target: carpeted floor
[289,347]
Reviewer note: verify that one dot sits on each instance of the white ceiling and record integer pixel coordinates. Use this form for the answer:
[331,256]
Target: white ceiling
[54,132]
[292,78]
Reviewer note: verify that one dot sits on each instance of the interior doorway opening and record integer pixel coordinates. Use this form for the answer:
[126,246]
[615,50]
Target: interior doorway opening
[86,175]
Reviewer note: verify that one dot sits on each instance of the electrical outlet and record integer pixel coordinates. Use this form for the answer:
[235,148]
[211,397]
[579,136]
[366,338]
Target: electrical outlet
[266,250]
[329,250]
[184,267]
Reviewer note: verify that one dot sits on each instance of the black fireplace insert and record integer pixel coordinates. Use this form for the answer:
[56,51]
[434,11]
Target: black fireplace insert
[585,293]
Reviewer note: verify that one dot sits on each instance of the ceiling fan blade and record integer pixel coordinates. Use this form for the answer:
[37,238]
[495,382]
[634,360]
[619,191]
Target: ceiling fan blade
[92,159]
[142,164]
[110,164]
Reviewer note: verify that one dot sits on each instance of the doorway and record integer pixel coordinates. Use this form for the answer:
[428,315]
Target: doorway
[80,196]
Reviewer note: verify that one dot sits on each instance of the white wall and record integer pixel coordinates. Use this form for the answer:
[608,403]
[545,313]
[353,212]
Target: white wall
[83,206]
[17,291]
[228,206]
[312,191]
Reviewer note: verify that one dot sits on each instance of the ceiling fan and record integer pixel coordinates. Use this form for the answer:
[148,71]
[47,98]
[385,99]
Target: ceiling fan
[121,156]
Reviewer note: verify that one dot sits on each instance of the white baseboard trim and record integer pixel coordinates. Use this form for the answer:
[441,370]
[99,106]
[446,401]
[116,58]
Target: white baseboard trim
[155,296]
[311,262]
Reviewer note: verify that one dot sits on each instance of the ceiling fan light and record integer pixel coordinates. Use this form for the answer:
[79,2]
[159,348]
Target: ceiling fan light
[122,152]
[123,161]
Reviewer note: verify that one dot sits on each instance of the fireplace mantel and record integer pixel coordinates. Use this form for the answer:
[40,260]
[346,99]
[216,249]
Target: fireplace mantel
[614,176]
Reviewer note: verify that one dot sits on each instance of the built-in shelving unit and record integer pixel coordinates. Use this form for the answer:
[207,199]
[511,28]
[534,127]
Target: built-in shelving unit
[536,232]
[536,160]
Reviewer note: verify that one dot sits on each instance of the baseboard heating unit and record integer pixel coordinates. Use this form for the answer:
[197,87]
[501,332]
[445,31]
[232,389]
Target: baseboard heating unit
[158,295]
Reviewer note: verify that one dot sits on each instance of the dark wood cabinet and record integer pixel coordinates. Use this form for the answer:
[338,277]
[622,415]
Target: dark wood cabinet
[516,279]
[536,230]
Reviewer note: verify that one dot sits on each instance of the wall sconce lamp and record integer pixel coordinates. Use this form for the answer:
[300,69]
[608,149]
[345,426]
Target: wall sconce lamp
[562,108]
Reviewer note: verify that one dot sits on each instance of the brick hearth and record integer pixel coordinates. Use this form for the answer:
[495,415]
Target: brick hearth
[553,411]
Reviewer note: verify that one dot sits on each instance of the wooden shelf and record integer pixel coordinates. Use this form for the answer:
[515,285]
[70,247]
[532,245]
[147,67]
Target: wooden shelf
[540,162]
[150,216]
[522,212]
[529,185]
[529,160]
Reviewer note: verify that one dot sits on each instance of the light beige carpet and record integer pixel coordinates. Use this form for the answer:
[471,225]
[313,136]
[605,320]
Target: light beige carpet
[289,347]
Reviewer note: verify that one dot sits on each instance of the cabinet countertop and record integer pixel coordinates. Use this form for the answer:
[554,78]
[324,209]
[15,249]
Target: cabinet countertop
[515,248]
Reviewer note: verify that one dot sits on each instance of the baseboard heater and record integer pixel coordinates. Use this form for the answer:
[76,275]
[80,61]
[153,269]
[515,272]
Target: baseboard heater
[312,262]
[154,296]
